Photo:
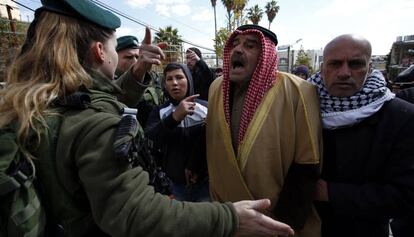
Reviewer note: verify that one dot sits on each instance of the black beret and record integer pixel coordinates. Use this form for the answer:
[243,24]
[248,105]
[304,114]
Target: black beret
[82,9]
[127,42]
[268,33]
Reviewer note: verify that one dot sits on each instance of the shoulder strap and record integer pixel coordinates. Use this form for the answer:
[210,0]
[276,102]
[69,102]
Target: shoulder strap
[10,156]
[21,209]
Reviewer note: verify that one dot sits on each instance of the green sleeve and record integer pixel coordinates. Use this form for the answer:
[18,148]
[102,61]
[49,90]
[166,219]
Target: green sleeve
[122,204]
[132,89]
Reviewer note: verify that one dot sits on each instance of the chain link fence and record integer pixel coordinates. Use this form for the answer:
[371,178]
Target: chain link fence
[12,36]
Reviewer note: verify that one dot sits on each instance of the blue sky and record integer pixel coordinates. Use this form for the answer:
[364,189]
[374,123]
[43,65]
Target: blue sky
[315,22]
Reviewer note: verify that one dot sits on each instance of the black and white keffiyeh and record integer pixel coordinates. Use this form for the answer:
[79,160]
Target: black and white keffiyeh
[339,112]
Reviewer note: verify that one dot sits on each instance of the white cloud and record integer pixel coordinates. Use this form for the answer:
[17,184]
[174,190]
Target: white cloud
[162,10]
[339,8]
[203,15]
[124,31]
[173,7]
[380,21]
[173,2]
[181,9]
[138,3]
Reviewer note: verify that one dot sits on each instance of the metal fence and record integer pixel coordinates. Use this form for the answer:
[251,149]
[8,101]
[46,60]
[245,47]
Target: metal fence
[12,35]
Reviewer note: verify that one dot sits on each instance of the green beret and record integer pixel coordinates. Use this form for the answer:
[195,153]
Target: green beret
[127,42]
[82,9]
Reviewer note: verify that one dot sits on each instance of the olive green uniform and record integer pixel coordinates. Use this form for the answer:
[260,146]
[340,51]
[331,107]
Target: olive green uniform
[90,190]
[152,96]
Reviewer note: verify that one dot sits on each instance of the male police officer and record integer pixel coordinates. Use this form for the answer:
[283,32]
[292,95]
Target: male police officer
[128,53]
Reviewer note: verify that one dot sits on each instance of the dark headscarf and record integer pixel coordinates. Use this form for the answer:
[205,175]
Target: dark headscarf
[187,73]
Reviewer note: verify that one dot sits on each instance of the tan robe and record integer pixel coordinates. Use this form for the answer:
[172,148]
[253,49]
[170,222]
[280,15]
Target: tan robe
[285,129]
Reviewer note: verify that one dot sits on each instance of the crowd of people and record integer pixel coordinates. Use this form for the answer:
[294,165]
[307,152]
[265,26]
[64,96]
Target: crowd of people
[250,150]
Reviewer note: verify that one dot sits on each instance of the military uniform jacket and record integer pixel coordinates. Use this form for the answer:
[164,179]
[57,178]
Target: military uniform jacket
[92,193]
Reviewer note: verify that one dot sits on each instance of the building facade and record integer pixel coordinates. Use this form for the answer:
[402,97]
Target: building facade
[287,58]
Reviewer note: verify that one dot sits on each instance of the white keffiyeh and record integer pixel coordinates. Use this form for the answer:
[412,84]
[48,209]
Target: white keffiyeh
[337,112]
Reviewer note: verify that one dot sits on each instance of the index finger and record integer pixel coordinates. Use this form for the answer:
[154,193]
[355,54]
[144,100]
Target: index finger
[147,37]
[151,49]
[192,97]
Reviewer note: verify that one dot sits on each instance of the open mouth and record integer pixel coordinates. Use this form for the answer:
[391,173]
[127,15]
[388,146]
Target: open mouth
[237,63]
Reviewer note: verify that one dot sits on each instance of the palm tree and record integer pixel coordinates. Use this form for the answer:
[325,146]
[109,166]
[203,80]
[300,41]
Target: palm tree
[238,10]
[271,11]
[229,4]
[170,36]
[221,39]
[213,3]
[255,14]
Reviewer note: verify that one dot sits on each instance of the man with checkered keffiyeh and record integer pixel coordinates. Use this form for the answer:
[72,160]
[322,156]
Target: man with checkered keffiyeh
[368,170]
[263,132]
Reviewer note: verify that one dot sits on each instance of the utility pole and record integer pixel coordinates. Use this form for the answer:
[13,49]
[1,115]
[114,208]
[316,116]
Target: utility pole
[213,3]
[288,54]
[12,25]
[288,59]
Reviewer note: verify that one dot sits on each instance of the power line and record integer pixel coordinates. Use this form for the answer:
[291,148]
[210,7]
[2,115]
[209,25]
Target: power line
[23,5]
[142,23]
[109,8]
[184,24]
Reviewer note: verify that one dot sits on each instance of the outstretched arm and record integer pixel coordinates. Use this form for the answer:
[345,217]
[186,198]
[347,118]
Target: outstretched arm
[251,221]
[133,81]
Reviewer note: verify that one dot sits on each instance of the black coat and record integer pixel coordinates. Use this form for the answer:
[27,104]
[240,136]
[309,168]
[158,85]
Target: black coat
[203,76]
[407,94]
[369,168]
[403,226]
[182,144]
[181,147]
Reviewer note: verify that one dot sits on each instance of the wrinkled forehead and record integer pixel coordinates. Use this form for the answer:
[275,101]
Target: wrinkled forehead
[250,35]
[348,49]
[346,54]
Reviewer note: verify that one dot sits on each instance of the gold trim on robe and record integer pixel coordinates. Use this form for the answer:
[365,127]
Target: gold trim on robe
[285,129]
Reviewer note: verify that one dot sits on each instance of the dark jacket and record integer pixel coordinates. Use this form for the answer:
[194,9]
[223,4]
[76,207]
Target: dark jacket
[369,168]
[182,144]
[406,94]
[403,226]
[152,97]
[203,76]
